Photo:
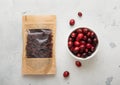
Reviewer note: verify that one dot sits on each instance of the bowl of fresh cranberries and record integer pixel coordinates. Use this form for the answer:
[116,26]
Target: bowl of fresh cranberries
[82,43]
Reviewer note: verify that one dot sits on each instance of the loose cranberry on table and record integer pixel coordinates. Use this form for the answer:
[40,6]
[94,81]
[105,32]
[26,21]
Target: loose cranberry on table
[80,14]
[78,63]
[82,42]
[72,22]
[66,74]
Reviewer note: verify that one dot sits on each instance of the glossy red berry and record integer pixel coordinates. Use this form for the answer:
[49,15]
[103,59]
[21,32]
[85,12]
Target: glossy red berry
[92,34]
[88,34]
[80,14]
[85,38]
[70,39]
[76,43]
[92,49]
[79,30]
[82,43]
[72,22]
[85,30]
[84,55]
[76,49]
[78,63]
[70,43]
[86,50]
[73,35]
[79,36]
[89,40]
[66,74]
[82,48]
[88,45]
[78,55]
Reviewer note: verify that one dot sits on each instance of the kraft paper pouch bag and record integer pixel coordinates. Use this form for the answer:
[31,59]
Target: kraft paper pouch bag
[38,45]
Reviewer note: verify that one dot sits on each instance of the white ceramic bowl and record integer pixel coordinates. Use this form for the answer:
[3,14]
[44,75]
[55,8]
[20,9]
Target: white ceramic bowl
[89,57]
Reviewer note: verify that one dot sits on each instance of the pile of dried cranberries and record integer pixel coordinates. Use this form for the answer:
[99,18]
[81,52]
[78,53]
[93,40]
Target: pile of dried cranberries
[82,42]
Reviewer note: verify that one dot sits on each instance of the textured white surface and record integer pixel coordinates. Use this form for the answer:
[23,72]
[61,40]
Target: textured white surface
[103,16]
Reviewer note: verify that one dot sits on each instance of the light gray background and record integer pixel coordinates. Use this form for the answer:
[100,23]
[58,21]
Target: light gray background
[103,16]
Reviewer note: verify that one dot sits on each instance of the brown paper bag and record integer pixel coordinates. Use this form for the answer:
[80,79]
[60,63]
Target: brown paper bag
[38,45]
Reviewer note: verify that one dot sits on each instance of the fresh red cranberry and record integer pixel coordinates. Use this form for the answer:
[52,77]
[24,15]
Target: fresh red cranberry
[79,36]
[88,45]
[78,63]
[85,30]
[86,50]
[76,43]
[89,40]
[92,34]
[88,34]
[66,74]
[89,53]
[78,55]
[82,42]
[92,49]
[80,14]
[72,22]
[76,49]
[71,49]
[85,38]
[84,55]
[95,40]
[82,48]
[79,30]
[73,35]
[70,43]
[70,39]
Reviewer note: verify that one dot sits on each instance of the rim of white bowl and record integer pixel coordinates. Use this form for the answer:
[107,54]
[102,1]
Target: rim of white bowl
[89,57]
